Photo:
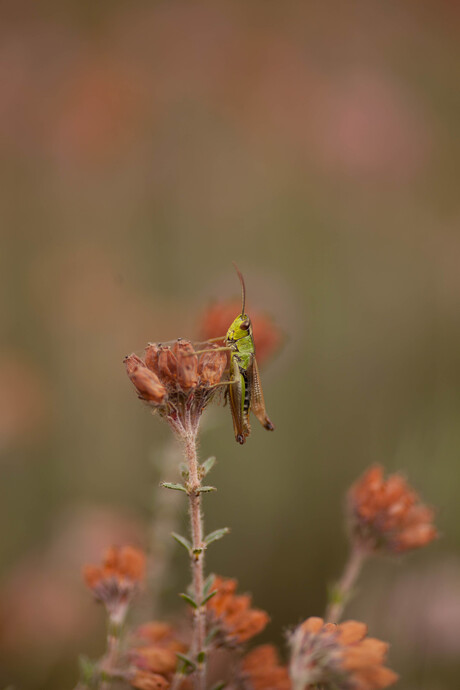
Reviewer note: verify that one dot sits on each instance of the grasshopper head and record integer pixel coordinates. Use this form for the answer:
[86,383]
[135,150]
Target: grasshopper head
[240,328]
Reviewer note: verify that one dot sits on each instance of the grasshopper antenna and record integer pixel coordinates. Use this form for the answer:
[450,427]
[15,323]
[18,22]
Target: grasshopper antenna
[243,287]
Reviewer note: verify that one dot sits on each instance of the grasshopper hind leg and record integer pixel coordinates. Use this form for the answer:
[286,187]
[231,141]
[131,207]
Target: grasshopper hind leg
[257,400]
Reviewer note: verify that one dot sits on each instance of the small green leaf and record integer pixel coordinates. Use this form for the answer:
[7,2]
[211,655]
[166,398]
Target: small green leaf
[208,584]
[172,485]
[208,597]
[89,672]
[197,551]
[188,663]
[335,595]
[189,600]
[211,635]
[217,534]
[205,489]
[219,686]
[201,657]
[183,541]
[86,667]
[207,466]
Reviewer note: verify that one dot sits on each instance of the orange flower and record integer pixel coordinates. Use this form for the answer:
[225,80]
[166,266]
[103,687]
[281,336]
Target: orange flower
[388,514]
[144,680]
[261,670]
[176,381]
[154,660]
[338,657]
[218,317]
[231,616]
[116,581]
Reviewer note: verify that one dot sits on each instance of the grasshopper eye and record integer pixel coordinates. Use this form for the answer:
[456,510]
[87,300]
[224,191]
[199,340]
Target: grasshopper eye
[244,325]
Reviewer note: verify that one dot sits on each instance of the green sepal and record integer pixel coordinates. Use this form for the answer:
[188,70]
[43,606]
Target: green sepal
[189,600]
[205,489]
[183,541]
[172,485]
[207,466]
[216,535]
[184,471]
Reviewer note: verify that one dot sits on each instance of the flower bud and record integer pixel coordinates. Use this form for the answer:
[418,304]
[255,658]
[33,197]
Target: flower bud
[187,364]
[212,366]
[148,385]
[132,362]
[151,357]
[167,366]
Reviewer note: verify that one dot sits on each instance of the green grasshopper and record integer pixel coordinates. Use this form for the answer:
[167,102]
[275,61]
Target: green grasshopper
[244,387]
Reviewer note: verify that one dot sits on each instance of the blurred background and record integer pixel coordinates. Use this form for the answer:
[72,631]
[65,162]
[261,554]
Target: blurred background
[144,146]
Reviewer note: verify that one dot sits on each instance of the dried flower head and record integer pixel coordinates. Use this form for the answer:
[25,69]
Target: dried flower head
[216,319]
[154,656]
[387,514]
[115,582]
[177,382]
[338,657]
[261,670]
[231,616]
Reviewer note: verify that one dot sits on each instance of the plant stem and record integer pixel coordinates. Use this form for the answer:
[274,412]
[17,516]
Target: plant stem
[197,556]
[109,662]
[343,588]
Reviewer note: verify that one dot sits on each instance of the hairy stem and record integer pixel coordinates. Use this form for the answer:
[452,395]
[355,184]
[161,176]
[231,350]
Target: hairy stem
[110,660]
[343,589]
[197,557]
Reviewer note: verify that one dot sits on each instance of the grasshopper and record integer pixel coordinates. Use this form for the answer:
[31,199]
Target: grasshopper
[244,388]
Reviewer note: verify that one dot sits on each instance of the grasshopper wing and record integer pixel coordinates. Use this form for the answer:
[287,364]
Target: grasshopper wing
[257,398]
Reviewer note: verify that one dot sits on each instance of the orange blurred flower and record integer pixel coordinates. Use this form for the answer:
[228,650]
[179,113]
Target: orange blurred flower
[24,402]
[261,670]
[116,581]
[218,317]
[144,680]
[154,659]
[338,657]
[231,616]
[388,514]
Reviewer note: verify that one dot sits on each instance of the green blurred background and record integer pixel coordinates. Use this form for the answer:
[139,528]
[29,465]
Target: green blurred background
[146,145]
